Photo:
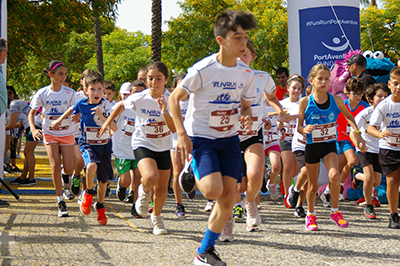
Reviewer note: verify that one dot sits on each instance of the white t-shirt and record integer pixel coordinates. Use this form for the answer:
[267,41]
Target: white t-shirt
[271,136]
[362,120]
[122,138]
[293,108]
[299,141]
[22,108]
[387,115]
[151,130]
[55,103]
[213,110]
[77,132]
[184,106]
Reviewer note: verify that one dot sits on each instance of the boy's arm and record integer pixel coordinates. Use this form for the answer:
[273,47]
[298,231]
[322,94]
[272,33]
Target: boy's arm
[57,123]
[300,122]
[109,123]
[36,134]
[162,104]
[13,121]
[274,102]
[246,115]
[184,144]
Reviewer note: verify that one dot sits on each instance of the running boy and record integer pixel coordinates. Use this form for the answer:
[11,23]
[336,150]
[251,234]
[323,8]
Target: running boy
[219,84]
[385,124]
[110,92]
[96,150]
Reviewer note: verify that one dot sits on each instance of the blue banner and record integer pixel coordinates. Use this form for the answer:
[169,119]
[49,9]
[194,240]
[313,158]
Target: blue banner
[321,38]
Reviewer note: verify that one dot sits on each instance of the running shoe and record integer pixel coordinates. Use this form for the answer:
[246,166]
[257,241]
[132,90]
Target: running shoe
[18,156]
[394,221]
[15,169]
[293,197]
[341,196]
[158,225]
[287,205]
[369,212]
[326,200]
[186,178]
[359,202]
[101,214]
[80,198]
[180,211]
[134,213]
[151,207]
[129,198]
[170,192]
[86,204]
[208,207]
[375,199]
[108,192]
[16,181]
[68,194]
[227,233]
[355,183]
[142,202]
[209,257]
[120,191]
[311,222]
[238,213]
[299,212]
[65,181]
[253,219]
[76,184]
[62,209]
[191,195]
[27,182]
[274,192]
[337,217]
[4,203]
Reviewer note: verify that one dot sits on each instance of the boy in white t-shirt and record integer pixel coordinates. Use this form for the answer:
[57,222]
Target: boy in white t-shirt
[218,85]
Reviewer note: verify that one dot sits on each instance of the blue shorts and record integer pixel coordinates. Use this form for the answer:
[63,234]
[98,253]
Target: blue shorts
[217,155]
[103,161]
[343,146]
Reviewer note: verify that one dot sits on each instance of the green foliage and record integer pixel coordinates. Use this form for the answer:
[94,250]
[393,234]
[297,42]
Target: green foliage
[383,28]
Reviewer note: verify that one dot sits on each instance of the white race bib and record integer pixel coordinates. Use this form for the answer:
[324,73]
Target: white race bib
[92,139]
[254,126]
[64,124]
[394,140]
[155,130]
[270,137]
[324,132]
[223,120]
[129,128]
[290,128]
[302,139]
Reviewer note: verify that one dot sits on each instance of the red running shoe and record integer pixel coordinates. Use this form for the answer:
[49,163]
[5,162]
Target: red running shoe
[86,205]
[101,215]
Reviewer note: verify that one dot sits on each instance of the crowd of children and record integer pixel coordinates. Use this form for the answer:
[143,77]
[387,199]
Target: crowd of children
[222,120]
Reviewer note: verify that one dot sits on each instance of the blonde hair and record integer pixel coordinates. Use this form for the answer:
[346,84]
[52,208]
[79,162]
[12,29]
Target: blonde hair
[314,70]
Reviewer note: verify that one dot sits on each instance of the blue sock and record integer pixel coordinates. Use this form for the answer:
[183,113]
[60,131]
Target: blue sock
[209,240]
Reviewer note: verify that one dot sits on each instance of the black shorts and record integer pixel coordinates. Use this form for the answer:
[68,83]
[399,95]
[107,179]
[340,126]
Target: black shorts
[367,158]
[285,145]
[163,158]
[317,151]
[247,143]
[389,160]
[103,160]
[300,158]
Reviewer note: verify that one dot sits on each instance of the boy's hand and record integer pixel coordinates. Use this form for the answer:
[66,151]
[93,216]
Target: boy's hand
[162,104]
[104,128]
[361,143]
[55,125]
[308,129]
[96,111]
[75,118]
[267,124]
[247,122]
[384,134]
[184,147]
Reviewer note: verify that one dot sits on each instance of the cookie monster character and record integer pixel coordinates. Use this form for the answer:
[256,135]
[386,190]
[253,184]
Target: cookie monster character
[378,65]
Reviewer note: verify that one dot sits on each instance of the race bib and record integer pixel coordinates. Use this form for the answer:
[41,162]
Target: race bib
[92,139]
[129,128]
[394,140]
[302,139]
[64,124]
[223,120]
[290,128]
[270,137]
[156,130]
[324,132]
[254,127]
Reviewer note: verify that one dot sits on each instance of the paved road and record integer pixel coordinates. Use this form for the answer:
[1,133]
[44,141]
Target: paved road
[32,234]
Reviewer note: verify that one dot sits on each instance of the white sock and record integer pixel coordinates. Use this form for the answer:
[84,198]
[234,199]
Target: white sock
[334,210]
[327,190]
[295,190]
[308,213]
[59,199]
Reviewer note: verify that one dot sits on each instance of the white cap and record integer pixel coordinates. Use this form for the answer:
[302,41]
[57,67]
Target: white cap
[124,89]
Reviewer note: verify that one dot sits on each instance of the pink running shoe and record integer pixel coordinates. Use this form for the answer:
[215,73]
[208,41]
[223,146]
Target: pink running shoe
[311,222]
[337,217]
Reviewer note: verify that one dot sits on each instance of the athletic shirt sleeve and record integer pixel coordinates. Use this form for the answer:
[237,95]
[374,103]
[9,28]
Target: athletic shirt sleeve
[129,103]
[192,81]
[37,101]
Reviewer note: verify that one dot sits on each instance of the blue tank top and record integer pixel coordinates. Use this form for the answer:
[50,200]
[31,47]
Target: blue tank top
[323,119]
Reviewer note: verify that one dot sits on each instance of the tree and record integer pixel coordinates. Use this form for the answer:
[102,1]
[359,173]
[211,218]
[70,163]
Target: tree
[156,33]
[368,2]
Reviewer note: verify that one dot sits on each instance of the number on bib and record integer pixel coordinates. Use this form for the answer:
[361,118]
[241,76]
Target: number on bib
[155,130]
[223,120]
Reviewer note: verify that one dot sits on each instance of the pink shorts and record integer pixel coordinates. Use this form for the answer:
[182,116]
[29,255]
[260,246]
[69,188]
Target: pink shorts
[272,148]
[62,141]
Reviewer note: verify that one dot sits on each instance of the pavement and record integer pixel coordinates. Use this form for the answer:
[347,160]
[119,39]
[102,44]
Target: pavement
[32,234]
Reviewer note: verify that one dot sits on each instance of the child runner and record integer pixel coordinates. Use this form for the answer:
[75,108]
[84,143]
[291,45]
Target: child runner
[151,142]
[347,154]
[218,85]
[319,113]
[96,150]
[110,92]
[55,100]
[372,170]
[385,124]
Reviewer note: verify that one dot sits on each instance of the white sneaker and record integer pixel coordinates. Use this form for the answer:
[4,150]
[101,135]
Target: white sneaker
[158,225]
[142,203]
[326,200]
[274,192]
[227,233]
[208,207]
[253,218]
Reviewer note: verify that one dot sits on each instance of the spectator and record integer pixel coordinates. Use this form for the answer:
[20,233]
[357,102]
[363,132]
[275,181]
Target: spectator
[282,75]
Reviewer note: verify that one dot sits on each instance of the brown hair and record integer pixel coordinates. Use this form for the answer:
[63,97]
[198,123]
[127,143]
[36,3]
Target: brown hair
[109,85]
[314,70]
[160,66]
[354,85]
[395,72]
[52,67]
[370,92]
[93,78]
[230,19]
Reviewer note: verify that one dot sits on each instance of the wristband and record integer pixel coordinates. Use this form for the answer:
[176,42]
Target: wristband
[357,132]
[164,112]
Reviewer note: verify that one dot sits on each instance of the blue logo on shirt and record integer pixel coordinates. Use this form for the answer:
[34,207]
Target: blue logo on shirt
[226,85]
[151,112]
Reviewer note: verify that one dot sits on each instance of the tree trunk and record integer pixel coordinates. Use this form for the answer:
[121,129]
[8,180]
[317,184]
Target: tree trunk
[97,41]
[156,30]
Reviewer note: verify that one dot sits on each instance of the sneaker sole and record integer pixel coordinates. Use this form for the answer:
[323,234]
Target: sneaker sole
[226,240]
[312,229]
[252,228]
[180,217]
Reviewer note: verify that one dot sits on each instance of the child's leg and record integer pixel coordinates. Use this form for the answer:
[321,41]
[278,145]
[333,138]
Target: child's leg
[312,170]
[303,194]
[254,158]
[136,182]
[275,159]
[242,186]
[79,163]
[53,152]
[331,164]
[301,179]
[91,169]
[125,179]
[369,179]
[29,153]
[68,158]
[352,159]
[161,191]
[177,168]
[393,183]
[101,191]
[290,169]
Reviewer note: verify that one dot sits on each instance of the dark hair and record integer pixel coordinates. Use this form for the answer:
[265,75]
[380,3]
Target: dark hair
[93,78]
[68,80]
[52,67]
[370,92]
[3,43]
[395,72]
[109,85]
[282,70]
[251,47]
[144,69]
[137,83]
[177,79]
[86,72]
[354,85]
[11,88]
[160,66]
[230,19]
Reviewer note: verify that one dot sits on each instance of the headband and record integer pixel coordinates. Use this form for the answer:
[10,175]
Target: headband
[294,77]
[56,65]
